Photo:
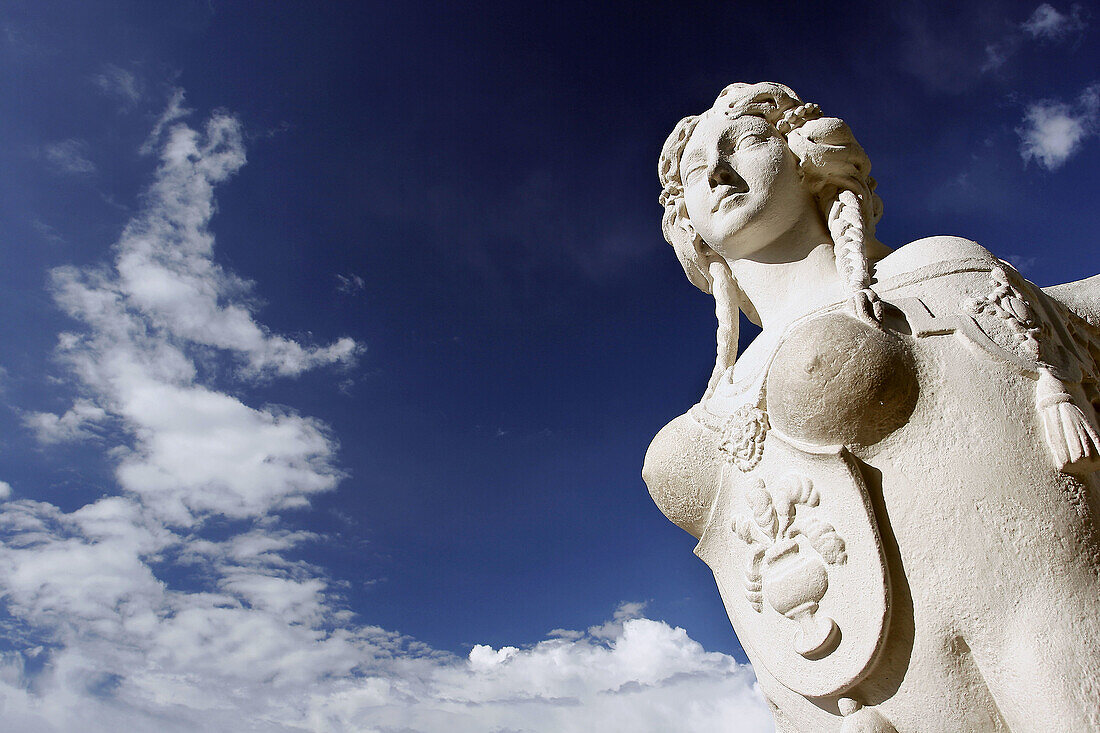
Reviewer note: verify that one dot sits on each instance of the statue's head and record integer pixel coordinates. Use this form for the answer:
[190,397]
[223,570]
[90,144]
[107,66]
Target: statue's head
[756,158]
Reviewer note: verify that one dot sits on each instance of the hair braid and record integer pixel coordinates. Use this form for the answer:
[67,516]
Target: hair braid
[846,227]
[846,223]
[727,310]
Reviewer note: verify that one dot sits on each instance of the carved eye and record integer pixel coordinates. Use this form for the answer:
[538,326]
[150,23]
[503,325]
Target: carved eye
[749,140]
[694,173]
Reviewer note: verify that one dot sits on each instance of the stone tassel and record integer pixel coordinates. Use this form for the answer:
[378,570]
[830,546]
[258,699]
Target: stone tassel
[1071,437]
[858,719]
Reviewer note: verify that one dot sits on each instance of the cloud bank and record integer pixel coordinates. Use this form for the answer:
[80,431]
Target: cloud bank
[176,604]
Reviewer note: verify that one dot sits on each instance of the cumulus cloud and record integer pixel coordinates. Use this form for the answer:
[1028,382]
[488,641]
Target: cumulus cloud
[69,156]
[264,650]
[107,645]
[626,611]
[648,676]
[103,635]
[1053,131]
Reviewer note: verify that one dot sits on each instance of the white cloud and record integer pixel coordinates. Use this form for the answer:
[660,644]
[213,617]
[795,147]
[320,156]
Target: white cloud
[69,156]
[648,677]
[165,267]
[614,627]
[201,451]
[264,650]
[75,424]
[196,450]
[1049,24]
[1053,131]
[131,613]
[107,645]
[5,490]
[173,112]
[119,83]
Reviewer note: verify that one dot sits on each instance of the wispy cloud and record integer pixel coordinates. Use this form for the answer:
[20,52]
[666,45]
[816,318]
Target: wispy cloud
[1049,24]
[1021,263]
[1052,131]
[119,83]
[77,423]
[21,44]
[68,156]
[999,52]
[349,284]
[1045,24]
[172,112]
[48,232]
[102,639]
[196,449]
[944,51]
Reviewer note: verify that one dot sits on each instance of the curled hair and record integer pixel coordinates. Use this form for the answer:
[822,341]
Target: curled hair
[832,166]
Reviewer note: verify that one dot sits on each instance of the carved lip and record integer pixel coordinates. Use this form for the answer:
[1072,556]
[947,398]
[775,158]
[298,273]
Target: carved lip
[731,197]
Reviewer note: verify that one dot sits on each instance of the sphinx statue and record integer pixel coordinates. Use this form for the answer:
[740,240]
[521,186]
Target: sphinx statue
[894,484]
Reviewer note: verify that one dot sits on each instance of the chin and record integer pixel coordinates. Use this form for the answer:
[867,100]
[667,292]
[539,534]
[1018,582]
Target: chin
[744,241]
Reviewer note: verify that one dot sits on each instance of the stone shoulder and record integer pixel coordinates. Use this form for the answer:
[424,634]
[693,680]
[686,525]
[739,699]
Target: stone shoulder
[929,251]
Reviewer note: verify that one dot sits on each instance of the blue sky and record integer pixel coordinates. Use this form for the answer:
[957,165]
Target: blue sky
[335,335]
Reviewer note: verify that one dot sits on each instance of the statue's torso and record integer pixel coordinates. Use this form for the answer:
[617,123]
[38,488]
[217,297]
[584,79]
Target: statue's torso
[936,534]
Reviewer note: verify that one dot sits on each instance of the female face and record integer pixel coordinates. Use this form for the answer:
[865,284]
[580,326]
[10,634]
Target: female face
[741,184]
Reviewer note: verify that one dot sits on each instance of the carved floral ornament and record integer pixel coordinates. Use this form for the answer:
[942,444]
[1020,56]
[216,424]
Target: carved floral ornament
[743,434]
[791,575]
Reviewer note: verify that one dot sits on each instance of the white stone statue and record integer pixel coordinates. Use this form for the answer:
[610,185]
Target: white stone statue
[894,483]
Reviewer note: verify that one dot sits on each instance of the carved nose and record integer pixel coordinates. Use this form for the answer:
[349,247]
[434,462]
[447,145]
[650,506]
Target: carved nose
[723,175]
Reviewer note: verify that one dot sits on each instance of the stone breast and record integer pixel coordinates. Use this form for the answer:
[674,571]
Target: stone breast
[836,380]
[682,469]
